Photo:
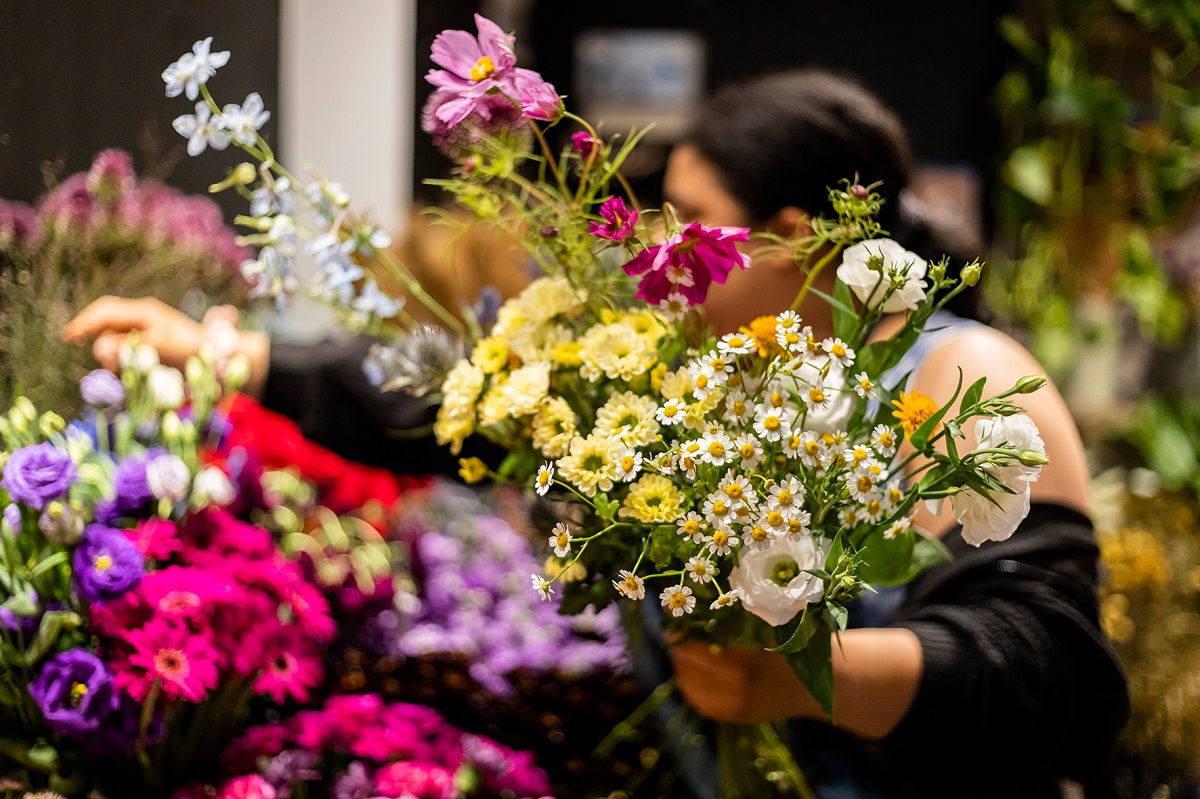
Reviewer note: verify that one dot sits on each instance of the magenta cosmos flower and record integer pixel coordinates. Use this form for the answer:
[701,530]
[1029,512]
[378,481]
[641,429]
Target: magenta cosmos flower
[689,262]
[475,66]
[619,221]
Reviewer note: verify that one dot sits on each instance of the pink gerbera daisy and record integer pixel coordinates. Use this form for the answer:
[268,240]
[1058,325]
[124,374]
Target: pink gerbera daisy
[183,661]
[182,592]
[288,662]
[688,262]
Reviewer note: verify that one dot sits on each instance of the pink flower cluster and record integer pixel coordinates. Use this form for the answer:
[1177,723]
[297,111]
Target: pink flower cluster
[228,605]
[688,262]
[397,750]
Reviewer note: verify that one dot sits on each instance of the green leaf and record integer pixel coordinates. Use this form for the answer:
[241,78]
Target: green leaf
[47,635]
[895,561]
[843,322]
[814,666]
[920,438]
[973,393]
[1028,171]
[799,639]
[48,564]
[21,604]
[840,616]
[838,305]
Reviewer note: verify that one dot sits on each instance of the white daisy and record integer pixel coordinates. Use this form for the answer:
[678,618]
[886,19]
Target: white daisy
[667,462]
[815,396]
[872,511]
[560,540]
[849,518]
[838,352]
[704,380]
[671,412]
[793,445]
[630,585]
[884,438]
[772,424]
[692,526]
[735,344]
[721,542]
[788,320]
[725,600]
[798,525]
[719,511]
[679,274]
[774,522]
[863,386]
[738,489]
[863,487]
[542,586]
[721,366]
[629,464]
[860,456]
[749,450]
[716,448]
[899,527]
[674,307]
[757,536]
[787,497]
[545,479]
[737,408]
[678,599]
[893,495]
[700,569]
[811,449]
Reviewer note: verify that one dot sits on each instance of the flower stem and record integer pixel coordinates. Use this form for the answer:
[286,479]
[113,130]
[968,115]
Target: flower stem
[812,274]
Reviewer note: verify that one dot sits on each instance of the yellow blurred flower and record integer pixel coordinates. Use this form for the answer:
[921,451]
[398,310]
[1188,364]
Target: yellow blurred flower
[913,409]
[471,470]
[490,354]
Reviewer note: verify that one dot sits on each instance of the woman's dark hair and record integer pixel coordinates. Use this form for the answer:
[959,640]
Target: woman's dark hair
[786,138]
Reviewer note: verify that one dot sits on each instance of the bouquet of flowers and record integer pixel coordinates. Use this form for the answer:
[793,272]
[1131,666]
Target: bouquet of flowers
[100,232]
[357,746]
[753,484]
[140,616]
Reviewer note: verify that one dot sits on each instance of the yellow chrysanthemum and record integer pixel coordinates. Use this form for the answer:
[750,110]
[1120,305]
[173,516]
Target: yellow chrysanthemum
[567,354]
[471,470]
[633,413]
[526,388]
[554,426]
[493,408]
[490,354]
[762,330]
[913,409]
[653,500]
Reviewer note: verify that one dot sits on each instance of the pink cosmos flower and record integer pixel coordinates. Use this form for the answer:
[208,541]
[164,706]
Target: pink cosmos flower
[619,222]
[183,661]
[417,780]
[476,66]
[250,786]
[688,262]
[288,663]
[155,538]
[538,98]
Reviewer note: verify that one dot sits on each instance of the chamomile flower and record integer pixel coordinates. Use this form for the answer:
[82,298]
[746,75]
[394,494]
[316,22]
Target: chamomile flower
[542,586]
[884,439]
[674,307]
[700,569]
[678,599]
[863,487]
[899,527]
[774,522]
[788,320]
[816,397]
[833,457]
[735,344]
[809,344]
[630,585]
[872,511]
[893,495]
[721,366]
[850,518]
[737,408]
[863,386]
[688,464]
[721,542]
[719,511]
[544,479]
[667,462]
[757,536]
[860,456]
[738,489]
[704,379]
[716,448]
[629,464]
[679,274]
[749,450]
[772,424]
[798,525]
[776,395]
[793,445]
[725,600]
[560,540]
[811,449]
[692,526]
[838,352]
[787,497]
[790,339]
[671,412]
[875,470]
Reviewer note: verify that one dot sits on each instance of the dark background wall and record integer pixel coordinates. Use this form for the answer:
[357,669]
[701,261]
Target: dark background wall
[77,77]
[935,62]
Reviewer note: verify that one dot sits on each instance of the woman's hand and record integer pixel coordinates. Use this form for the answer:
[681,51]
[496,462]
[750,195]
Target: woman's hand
[109,320]
[743,686]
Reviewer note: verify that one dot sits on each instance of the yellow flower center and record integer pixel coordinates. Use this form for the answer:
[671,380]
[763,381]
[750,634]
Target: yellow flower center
[677,600]
[865,484]
[483,69]
[78,692]
[851,519]
[719,508]
[791,338]
[631,584]
[103,563]
[793,442]
[739,408]
[718,364]
[812,448]
[543,478]
[866,384]
[716,449]
[887,439]
[759,533]
[838,351]
[737,341]
[692,448]
[562,539]
[774,518]
[777,399]
[734,491]
[784,498]
[701,381]
[874,507]
[686,246]
[670,410]
[720,538]
[895,496]
[794,526]
[691,527]
[772,423]
[816,395]
[627,463]
[747,451]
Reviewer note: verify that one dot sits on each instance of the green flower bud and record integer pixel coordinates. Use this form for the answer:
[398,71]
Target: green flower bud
[93,474]
[195,371]
[51,424]
[875,263]
[971,273]
[241,175]
[25,408]
[17,420]
[172,429]
[1030,384]
[1030,457]
[237,372]
[937,271]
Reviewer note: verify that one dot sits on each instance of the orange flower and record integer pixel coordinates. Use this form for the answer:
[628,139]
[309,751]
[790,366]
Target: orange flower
[913,409]
[762,330]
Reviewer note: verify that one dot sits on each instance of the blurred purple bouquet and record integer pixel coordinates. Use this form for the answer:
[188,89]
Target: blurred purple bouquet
[100,232]
[357,747]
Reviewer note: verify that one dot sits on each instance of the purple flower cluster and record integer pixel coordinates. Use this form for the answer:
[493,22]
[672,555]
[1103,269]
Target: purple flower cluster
[37,474]
[475,601]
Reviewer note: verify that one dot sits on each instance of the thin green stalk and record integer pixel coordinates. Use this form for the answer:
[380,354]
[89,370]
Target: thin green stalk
[813,273]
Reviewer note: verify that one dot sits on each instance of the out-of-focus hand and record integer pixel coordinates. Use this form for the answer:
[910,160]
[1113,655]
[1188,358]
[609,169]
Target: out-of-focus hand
[744,686]
[109,320]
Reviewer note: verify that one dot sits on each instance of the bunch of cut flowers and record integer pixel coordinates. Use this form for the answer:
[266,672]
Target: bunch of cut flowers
[105,231]
[752,484]
[141,614]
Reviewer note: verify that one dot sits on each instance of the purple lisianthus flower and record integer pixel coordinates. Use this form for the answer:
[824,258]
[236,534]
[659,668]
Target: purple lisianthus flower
[102,389]
[37,474]
[132,488]
[585,143]
[74,692]
[107,564]
[619,221]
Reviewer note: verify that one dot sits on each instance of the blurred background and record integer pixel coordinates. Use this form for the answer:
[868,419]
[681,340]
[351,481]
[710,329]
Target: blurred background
[1059,137]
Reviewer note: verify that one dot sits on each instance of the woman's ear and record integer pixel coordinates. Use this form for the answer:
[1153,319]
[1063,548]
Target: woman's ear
[790,222]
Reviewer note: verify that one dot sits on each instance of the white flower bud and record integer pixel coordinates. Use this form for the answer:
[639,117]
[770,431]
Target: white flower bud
[165,386]
[237,372]
[212,487]
[168,477]
[141,359]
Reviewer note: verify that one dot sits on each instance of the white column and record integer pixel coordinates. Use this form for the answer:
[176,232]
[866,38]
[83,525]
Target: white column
[345,109]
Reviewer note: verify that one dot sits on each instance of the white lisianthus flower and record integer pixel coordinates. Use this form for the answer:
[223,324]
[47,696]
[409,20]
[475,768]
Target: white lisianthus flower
[981,519]
[871,286]
[772,583]
[167,477]
[166,387]
[212,487]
